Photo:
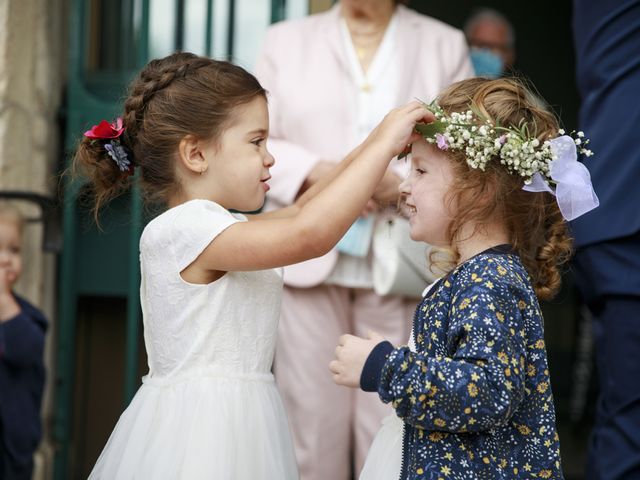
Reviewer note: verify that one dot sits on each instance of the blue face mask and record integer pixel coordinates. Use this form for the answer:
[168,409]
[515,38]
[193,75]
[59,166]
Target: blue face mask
[357,240]
[486,63]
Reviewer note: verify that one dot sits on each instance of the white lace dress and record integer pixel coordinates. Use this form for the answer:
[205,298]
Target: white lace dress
[209,407]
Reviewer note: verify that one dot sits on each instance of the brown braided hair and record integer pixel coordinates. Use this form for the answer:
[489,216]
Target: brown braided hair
[172,97]
[533,221]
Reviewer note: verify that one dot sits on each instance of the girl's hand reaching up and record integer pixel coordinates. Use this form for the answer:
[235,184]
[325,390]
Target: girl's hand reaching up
[396,130]
[351,355]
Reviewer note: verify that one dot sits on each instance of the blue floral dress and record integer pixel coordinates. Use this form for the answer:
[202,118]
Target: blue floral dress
[475,396]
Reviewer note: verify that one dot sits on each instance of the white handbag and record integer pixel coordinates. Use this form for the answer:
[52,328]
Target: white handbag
[400,265]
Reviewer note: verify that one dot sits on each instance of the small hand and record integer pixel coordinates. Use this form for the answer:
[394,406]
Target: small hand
[396,130]
[9,308]
[351,355]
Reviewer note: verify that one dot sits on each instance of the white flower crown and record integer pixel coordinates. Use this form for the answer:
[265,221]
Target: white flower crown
[550,165]
[481,140]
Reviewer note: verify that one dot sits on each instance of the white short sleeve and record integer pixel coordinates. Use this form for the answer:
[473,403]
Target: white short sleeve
[195,225]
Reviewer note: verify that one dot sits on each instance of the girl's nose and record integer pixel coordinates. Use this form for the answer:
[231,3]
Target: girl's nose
[404,188]
[269,160]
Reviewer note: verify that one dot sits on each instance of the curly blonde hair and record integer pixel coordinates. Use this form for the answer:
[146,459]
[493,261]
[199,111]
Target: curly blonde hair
[533,221]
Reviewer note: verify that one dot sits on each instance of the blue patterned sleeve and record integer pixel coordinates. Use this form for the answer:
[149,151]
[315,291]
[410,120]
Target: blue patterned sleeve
[480,385]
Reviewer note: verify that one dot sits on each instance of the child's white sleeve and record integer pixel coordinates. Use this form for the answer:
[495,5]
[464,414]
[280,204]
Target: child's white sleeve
[195,226]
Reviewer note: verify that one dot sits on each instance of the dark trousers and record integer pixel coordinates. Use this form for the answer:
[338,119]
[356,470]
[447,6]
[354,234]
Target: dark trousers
[608,276]
[9,469]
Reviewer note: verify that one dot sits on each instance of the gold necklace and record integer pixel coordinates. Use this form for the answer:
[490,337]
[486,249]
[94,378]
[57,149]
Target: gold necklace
[366,46]
[365,43]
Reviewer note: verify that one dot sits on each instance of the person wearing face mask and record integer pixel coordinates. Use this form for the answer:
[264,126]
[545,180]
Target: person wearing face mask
[491,42]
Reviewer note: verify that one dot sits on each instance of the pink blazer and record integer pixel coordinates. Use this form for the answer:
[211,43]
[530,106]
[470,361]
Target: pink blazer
[303,66]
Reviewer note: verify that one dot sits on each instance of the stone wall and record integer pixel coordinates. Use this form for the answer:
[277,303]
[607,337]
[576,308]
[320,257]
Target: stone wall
[33,64]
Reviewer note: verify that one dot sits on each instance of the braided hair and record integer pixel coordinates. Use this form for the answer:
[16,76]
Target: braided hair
[172,97]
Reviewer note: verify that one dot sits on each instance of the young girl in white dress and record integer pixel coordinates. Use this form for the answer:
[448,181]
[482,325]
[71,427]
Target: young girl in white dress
[196,129]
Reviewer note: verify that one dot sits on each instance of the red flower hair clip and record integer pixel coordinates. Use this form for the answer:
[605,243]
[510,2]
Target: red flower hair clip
[110,132]
[105,130]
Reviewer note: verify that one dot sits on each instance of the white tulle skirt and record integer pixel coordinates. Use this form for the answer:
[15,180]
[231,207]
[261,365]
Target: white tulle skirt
[384,459]
[206,428]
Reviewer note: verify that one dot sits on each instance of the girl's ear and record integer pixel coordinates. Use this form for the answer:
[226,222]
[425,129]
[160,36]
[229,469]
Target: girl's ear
[191,155]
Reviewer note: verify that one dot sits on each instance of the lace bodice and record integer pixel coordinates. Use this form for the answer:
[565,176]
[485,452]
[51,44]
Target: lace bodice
[225,328]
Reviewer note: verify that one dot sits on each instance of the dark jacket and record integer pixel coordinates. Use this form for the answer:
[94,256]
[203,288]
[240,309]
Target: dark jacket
[607,42]
[22,379]
[475,396]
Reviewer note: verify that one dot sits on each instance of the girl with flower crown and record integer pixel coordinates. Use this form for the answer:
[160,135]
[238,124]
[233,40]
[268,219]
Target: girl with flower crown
[196,129]
[492,184]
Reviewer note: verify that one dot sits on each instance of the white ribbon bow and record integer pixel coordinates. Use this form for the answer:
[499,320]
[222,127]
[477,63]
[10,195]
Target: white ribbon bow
[574,192]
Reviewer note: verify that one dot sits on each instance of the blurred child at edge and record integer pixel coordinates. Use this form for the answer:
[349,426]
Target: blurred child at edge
[22,375]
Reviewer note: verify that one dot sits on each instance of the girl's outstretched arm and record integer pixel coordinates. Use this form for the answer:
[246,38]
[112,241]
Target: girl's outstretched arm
[324,212]
[320,185]
[312,191]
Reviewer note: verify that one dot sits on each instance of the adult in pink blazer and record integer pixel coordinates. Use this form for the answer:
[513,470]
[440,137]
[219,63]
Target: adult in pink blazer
[331,77]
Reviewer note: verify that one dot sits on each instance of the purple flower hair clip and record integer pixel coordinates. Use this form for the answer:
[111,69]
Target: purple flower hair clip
[119,155]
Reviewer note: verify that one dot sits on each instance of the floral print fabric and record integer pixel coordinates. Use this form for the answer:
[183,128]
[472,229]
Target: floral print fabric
[476,398]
